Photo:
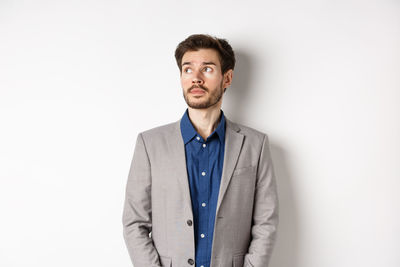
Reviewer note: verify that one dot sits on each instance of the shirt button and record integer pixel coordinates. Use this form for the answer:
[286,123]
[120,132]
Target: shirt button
[202,235]
[204,145]
[201,265]
[189,222]
[203,173]
[203,204]
[191,261]
[198,138]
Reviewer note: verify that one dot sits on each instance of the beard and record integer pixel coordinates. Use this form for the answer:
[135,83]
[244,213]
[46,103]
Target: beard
[209,100]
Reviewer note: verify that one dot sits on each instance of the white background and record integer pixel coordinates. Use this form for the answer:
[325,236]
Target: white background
[80,79]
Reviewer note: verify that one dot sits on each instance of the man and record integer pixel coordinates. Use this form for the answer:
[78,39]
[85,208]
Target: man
[201,190]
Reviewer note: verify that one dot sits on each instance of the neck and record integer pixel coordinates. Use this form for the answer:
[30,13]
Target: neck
[205,121]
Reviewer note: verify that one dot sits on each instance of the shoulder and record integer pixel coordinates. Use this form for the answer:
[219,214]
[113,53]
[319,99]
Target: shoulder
[160,132]
[250,133]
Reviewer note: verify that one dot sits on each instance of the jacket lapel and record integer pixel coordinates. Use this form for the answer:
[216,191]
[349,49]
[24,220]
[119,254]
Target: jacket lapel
[178,159]
[233,145]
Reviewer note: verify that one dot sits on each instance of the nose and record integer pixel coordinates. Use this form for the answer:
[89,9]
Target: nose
[197,79]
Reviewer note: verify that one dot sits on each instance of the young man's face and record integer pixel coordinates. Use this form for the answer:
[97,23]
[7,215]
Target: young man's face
[202,80]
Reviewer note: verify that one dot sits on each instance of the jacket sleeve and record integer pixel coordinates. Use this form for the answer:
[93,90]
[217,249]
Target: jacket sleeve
[265,212]
[136,219]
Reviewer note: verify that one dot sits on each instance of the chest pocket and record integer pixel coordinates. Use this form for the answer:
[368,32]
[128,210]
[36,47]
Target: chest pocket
[244,177]
[246,171]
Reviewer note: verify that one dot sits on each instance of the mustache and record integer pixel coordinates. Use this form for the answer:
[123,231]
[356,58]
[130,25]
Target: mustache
[198,86]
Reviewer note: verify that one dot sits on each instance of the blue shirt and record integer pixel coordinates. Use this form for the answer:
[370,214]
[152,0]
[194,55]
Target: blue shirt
[204,162]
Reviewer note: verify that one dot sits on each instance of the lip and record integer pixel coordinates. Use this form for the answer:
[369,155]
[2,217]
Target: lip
[197,91]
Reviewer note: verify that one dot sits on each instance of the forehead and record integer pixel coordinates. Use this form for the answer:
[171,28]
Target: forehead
[200,56]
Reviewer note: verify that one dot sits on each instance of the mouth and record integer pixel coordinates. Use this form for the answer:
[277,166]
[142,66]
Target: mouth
[197,91]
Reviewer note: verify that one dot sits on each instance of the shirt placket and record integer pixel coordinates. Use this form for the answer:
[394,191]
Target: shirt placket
[203,202]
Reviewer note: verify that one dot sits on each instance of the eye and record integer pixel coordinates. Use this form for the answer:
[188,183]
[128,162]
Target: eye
[208,69]
[188,70]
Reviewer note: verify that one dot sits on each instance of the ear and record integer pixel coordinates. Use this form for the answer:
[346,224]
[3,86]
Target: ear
[227,78]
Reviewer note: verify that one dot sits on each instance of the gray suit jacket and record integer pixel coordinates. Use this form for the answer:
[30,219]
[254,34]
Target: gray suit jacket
[157,217]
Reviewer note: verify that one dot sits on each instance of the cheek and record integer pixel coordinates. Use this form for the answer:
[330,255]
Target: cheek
[213,80]
[184,81]
[212,77]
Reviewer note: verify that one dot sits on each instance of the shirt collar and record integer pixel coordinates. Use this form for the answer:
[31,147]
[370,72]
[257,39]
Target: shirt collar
[188,131]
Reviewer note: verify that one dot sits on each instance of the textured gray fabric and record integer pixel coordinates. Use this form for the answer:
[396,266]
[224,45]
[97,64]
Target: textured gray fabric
[157,201]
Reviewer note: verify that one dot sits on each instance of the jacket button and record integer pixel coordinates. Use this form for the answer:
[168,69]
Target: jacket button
[191,261]
[189,222]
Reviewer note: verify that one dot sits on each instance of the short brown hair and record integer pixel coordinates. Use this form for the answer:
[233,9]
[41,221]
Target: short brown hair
[197,41]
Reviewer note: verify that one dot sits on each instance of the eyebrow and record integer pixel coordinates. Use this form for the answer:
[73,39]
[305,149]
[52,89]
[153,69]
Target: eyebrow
[204,63]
